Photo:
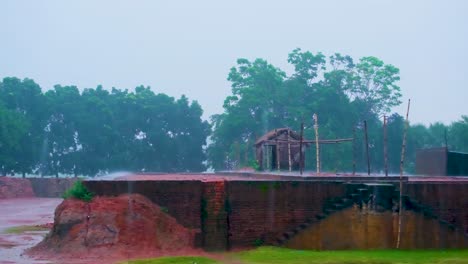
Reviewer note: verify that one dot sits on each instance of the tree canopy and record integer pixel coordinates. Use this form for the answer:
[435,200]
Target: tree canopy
[65,130]
[343,92]
[95,131]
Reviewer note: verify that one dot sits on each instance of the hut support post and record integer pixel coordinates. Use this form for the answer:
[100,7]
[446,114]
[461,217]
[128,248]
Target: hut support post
[289,151]
[385,145]
[277,155]
[354,151]
[317,146]
[301,163]
[367,147]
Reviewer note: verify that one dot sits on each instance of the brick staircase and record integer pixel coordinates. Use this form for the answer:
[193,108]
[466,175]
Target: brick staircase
[355,194]
[375,196]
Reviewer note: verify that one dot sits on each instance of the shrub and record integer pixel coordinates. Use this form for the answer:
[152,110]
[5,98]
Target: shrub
[78,191]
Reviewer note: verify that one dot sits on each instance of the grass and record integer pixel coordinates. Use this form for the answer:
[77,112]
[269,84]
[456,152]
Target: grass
[175,260]
[23,229]
[273,255]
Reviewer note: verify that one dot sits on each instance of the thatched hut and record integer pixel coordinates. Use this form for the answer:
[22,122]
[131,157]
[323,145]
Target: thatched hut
[279,149]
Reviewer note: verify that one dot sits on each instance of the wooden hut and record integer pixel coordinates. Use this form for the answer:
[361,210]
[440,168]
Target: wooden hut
[279,150]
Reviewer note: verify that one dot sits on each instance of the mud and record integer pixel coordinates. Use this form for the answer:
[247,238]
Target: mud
[19,212]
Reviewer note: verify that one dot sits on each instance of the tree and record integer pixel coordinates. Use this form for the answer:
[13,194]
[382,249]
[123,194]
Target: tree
[25,98]
[458,134]
[13,127]
[264,97]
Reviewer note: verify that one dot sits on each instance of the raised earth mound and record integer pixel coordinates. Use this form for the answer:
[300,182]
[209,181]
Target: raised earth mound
[126,226]
[15,188]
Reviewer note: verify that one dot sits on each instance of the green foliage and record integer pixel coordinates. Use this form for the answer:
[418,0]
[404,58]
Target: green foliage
[96,131]
[264,97]
[78,191]
[254,165]
[342,92]
[258,242]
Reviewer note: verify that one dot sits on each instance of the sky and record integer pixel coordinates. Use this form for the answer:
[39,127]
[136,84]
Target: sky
[187,47]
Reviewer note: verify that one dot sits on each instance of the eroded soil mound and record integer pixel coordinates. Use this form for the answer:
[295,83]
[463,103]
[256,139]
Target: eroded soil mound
[15,188]
[113,227]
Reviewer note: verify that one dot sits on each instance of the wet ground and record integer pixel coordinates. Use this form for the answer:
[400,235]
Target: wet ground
[19,213]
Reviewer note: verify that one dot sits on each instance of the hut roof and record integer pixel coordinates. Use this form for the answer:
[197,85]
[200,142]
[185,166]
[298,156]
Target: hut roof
[277,132]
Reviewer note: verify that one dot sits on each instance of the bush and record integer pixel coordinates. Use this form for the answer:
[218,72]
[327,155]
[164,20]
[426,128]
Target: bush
[78,191]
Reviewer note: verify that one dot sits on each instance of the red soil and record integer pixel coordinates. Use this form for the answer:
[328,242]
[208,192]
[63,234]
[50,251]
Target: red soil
[113,228]
[15,188]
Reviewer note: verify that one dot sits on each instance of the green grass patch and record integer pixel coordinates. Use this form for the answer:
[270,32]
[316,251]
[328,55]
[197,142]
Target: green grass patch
[23,229]
[174,260]
[274,255]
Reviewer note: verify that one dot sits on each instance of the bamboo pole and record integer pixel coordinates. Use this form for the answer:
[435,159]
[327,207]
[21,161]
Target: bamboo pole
[277,156]
[367,147]
[289,151]
[354,151]
[317,146]
[403,148]
[301,163]
[321,141]
[385,145]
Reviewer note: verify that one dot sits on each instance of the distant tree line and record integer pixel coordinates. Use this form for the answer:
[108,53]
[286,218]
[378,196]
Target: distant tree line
[97,131]
[343,92]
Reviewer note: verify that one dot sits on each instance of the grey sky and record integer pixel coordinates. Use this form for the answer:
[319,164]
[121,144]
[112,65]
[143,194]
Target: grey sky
[187,47]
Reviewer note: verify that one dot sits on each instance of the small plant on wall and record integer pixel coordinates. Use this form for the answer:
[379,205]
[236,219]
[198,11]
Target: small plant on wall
[258,242]
[78,191]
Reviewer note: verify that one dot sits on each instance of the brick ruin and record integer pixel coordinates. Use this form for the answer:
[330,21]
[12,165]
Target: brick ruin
[314,214]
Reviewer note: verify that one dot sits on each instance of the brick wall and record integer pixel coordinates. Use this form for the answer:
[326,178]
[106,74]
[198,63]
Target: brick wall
[235,214]
[215,219]
[262,211]
[181,199]
[51,187]
[448,200]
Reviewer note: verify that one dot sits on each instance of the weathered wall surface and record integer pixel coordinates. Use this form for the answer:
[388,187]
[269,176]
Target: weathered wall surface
[34,187]
[181,199]
[262,211]
[51,187]
[449,201]
[356,228]
[15,188]
[233,214]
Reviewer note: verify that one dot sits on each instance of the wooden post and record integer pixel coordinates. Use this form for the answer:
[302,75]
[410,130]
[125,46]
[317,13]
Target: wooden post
[403,148]
[277,155]
[267,148]
[367,147]
[289,151]
[385,145]
[301,163]
[354,151]
[317,146]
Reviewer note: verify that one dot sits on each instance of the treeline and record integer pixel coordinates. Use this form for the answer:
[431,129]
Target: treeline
[97,131]
[343,92]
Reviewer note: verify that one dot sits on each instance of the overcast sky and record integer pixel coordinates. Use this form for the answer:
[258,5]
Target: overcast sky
[188,47]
